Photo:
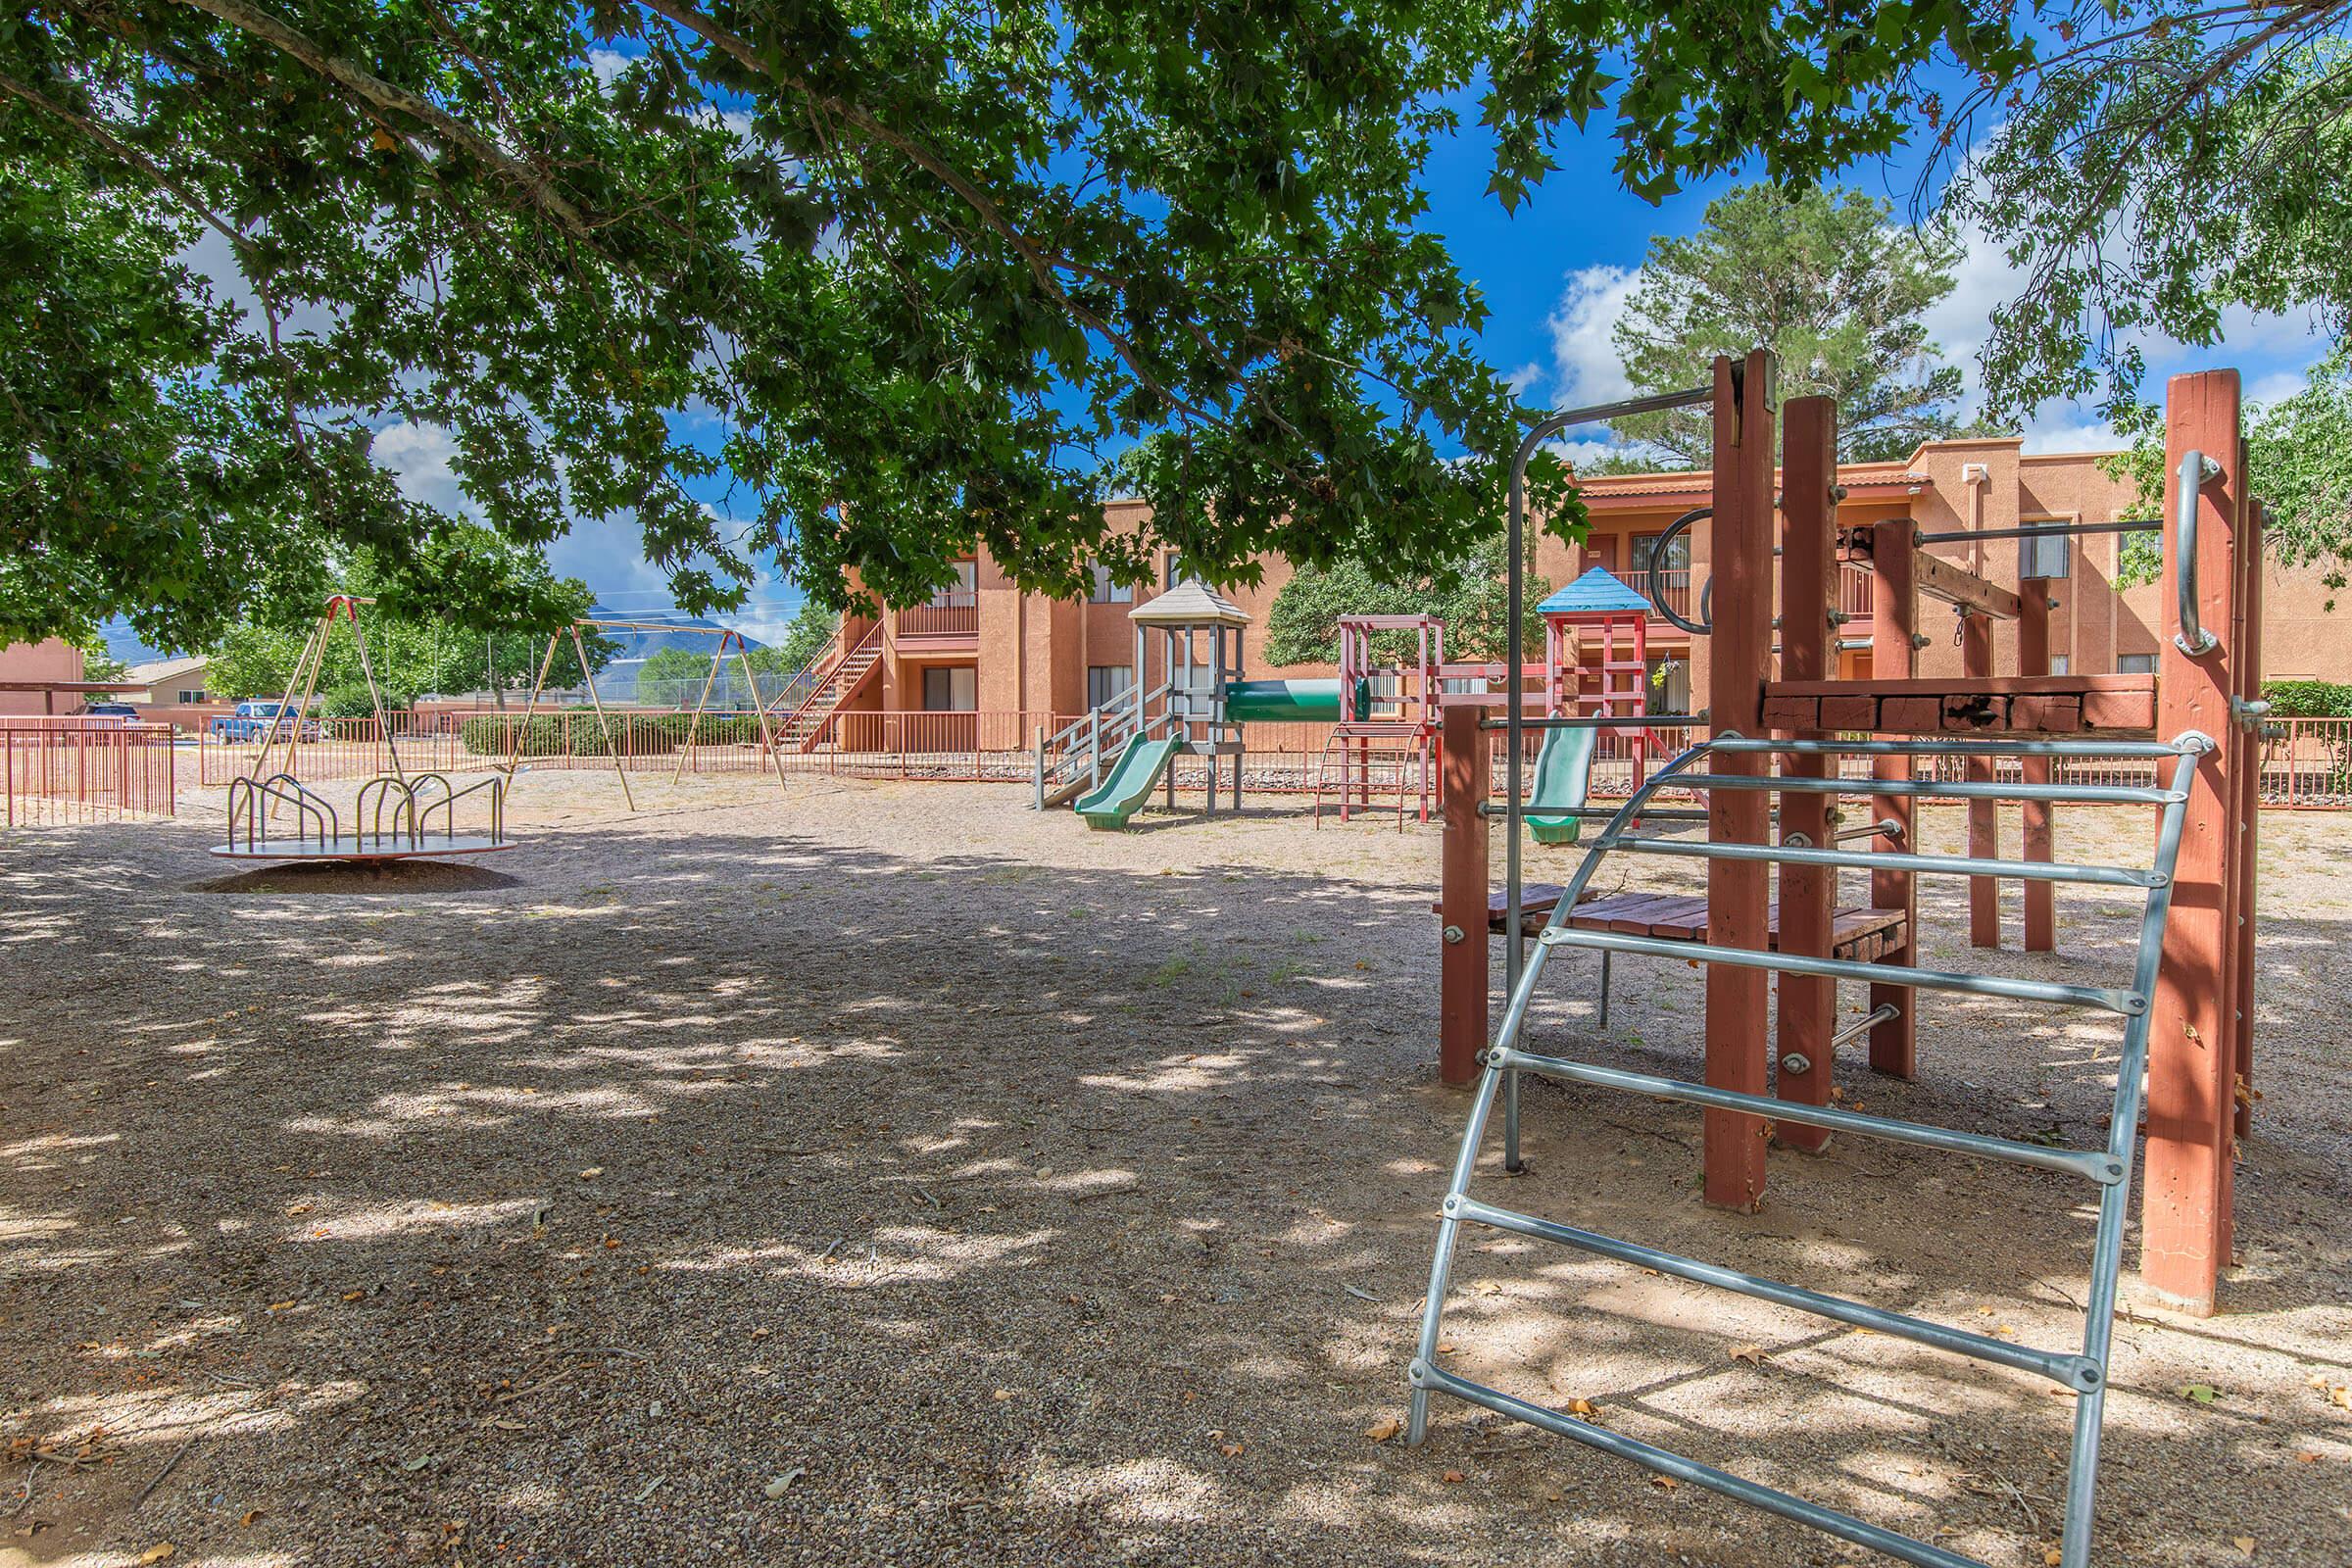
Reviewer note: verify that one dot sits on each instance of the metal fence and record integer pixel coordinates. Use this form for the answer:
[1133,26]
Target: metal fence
[2305,763]
[83,770]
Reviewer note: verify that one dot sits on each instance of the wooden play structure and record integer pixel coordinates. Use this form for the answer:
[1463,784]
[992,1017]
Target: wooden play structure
[2184,998]
[1387,738]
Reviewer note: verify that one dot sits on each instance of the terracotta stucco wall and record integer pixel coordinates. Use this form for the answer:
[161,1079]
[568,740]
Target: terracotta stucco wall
[53,658]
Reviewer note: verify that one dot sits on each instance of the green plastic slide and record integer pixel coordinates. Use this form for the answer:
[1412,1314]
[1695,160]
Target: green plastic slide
[1563,777]
[1129,783]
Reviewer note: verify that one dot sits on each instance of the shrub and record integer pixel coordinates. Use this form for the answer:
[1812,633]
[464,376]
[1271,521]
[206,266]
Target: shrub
[2308,699]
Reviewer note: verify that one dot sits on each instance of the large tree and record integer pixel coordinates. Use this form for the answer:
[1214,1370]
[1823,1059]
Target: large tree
[1471,594]
[2157,164]
[901,276]
[1824,279]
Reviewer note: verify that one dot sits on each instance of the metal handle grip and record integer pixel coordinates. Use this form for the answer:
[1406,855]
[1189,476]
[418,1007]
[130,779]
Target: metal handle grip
[2191,639]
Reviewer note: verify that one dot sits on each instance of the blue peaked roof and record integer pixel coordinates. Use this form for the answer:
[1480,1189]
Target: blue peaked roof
[1596,591]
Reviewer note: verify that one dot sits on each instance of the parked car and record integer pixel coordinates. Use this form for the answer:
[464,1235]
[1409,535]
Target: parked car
[252,721]
[121,712]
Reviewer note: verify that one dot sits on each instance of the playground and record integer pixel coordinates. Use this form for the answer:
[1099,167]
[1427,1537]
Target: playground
[893,1172]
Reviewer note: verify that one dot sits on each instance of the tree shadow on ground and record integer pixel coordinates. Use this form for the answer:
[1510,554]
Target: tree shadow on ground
[980,1211]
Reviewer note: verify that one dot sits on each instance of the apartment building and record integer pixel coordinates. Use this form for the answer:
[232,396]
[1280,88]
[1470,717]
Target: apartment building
[985,645]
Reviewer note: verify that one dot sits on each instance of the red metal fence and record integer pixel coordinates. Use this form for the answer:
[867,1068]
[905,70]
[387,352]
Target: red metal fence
[82,770]
[2306,764]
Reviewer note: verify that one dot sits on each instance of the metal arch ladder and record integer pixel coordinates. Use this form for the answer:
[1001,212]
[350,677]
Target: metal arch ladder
[2109,1168]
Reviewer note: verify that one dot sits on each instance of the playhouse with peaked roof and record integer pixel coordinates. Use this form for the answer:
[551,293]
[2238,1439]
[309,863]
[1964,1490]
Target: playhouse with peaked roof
[1601,613]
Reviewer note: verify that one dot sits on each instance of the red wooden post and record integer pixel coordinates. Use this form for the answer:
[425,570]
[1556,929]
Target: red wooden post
[1983,825]
[1894,1044]
[2192,1064]
[1808,893]
[2249,833]
[1462,963]
[2033,659]
[1738,891]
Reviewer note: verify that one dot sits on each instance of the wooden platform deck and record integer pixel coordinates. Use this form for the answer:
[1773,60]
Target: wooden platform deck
[1861,935]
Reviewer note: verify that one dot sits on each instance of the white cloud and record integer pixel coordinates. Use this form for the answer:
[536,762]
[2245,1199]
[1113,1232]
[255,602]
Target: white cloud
[1586,368]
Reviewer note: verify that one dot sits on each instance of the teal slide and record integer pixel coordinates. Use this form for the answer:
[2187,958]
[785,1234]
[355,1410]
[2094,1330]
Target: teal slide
[1563,776]
[1129,783]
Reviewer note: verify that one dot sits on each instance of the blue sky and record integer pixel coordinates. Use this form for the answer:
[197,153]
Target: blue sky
[1555,276]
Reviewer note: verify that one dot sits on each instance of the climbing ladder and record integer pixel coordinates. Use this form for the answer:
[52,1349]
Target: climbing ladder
[2109,1169]
[1366,758]
[816,700]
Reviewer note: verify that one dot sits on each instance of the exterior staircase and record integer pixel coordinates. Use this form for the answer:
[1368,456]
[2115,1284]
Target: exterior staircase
[838,677]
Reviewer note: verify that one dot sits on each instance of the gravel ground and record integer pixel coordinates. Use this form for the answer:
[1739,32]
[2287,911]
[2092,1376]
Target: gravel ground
[882,1173]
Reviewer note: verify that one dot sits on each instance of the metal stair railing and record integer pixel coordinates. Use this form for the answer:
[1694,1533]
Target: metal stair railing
[1083,743]
[2084,1371]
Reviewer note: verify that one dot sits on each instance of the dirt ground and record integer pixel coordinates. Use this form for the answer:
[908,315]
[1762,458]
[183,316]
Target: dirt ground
[888,1174]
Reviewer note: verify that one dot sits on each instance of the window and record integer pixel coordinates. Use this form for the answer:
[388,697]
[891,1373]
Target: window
[2044,556]
[1105,683]
[959,597]
[2135,663]
[950,689]
[1678,554]
[1167,570]
[195,695]
[1108,592]
[2059,664]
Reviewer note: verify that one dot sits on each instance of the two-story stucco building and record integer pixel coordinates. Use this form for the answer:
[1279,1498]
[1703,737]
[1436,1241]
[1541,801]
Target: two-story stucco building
[987,647]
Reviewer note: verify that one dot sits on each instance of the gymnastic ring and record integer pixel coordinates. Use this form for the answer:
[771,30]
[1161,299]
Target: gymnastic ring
[1657,598]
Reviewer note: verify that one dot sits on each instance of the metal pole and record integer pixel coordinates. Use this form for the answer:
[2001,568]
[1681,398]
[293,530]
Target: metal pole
[588,679]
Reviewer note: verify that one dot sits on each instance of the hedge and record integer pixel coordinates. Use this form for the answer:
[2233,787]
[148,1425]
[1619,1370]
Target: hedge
[640,734]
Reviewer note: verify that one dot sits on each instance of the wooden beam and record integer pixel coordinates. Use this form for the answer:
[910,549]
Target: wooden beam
[2033,659]
[1739,892]
[1808,1004]
[1984,822]
[1939,578]
[1463,973]
[1893,1044]
[2193,1056]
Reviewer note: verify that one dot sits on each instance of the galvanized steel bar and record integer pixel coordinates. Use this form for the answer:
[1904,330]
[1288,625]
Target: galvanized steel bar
[2071,1370]
[2054,530]
[1426,1376]
[2113,876]
[1885,1013]
[2093,1164]
[1959,790]
[2141,749]
[1890,974]
[2107,1242]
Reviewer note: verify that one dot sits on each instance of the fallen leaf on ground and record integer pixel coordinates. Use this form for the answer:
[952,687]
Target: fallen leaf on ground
[592,1173]
[2199,1392]
[353,1295]
[2244,1544]
[1455,1475]
[1752,1354]
[1383,1431]
[158,1553]
[2052,1558]
[1585,1408]
[252,1517]
[299,1208]
[783,1482]
[2307,1457]
[1230,1451]
[1664,1483]
[1001,1395]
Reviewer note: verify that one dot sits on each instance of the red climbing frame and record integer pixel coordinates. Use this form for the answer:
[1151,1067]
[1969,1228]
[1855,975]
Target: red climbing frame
[2201,1039]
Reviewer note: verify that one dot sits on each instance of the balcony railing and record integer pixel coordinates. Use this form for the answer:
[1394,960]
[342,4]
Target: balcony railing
[1856,592]
[955,613]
